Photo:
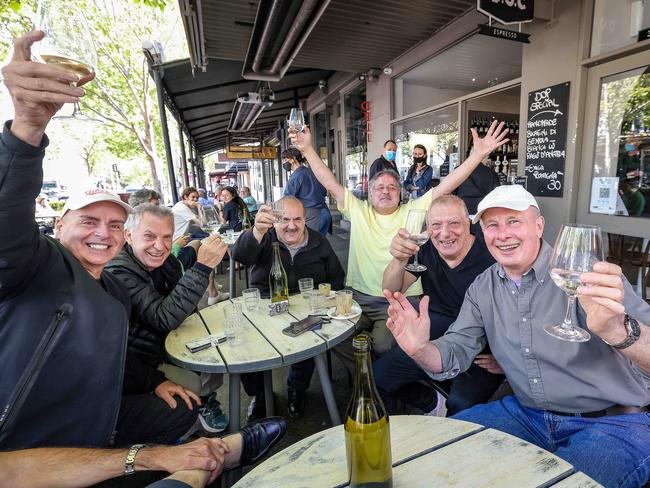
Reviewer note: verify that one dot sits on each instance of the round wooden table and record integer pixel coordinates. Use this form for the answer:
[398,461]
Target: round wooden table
[427,452]
[263,348]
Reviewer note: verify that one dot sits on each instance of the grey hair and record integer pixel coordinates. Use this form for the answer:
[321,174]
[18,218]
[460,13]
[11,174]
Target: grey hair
[384,172]
[291,198]
[135,218]
[450,199]
[143,196]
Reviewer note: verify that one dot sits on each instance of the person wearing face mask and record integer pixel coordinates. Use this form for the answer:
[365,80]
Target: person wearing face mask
[303,185]
[420,174]
[386,161]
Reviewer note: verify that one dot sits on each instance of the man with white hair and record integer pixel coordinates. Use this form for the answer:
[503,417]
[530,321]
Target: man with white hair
[584,401]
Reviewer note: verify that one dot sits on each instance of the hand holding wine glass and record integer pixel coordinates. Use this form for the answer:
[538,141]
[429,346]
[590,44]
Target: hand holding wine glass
[296,121]
[416,226]
[577,248]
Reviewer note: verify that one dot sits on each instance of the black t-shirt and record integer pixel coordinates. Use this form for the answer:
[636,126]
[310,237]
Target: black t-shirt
[445,286]
[233,215]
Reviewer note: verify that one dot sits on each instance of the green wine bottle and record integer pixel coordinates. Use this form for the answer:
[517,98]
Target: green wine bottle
[367,432]
[278,283]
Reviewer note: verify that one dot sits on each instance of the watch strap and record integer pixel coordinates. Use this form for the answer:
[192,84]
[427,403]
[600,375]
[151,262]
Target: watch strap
[633,333]
[129,461]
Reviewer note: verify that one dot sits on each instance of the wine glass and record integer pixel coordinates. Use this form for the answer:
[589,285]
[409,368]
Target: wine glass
[209,219]
[576,249]
[417,229]
[296,121]
[67,43]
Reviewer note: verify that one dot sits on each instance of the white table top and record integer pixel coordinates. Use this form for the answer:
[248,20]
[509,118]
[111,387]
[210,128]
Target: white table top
[427,451]
[264,346]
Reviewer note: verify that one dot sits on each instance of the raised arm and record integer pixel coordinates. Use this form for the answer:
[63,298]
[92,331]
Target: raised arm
[302,141]
[495,137]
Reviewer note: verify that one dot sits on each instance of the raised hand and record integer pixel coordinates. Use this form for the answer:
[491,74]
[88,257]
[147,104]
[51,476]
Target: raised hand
[212,251]
[37,90]
[495,137]
[264,219]
[401,248]
[301,140]
[410,328]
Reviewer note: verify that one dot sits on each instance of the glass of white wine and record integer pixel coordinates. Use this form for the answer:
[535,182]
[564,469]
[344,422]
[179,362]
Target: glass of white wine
[296,120]
[68,41]
[416,226]
[576,249]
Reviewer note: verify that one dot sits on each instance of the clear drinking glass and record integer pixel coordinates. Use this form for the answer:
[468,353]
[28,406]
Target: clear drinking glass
[233,323]
[416,226]
[344,302]
[68,42]
[209,219]
[576,249]
[251,299]
[296,121]
[305,285]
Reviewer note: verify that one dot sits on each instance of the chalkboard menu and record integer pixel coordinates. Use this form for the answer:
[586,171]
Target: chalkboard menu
[546,130]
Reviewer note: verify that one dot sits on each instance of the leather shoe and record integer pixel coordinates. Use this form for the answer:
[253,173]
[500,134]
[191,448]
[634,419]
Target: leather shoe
[295,402]
[259,437]
[256,409]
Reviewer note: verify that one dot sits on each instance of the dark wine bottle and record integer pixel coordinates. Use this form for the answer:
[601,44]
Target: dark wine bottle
[367,432]
[278,284]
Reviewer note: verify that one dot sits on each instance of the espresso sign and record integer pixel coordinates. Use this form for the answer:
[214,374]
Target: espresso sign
[507,11]
[546,130]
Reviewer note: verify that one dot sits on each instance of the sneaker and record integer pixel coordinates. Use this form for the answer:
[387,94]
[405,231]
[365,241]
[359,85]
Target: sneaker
[295,401]
[212,417]
[440,409]
[219,298]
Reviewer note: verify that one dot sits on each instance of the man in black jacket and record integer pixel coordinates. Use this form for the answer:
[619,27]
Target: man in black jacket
[386,161]
[63,325]
[162,297]
[305,253]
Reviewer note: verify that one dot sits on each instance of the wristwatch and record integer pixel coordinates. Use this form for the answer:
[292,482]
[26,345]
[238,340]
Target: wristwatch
[633,333]
[129,467]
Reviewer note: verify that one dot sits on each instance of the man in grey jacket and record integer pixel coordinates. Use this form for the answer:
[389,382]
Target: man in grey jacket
[162,297]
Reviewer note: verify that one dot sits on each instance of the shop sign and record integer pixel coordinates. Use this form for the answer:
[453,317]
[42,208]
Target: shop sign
[546,132]
[501,33]
[365,110]
[507,11]
[251,152]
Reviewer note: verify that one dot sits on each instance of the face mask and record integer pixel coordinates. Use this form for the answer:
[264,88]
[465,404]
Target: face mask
[629,147]
[390,155]
[287,166]
[420,160]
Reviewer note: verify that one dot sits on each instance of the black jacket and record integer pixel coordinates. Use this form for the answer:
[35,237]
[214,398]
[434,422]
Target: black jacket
[381,164]
[62,336]
[161,300]
[316,260]
[480,182]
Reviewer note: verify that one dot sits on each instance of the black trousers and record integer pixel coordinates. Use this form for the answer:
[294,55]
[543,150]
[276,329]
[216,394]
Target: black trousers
[147,419]
[399,380]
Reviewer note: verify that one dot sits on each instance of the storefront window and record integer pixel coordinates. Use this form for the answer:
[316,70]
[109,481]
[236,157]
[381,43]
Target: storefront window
[356,144]
[474,64]
[617,24]
[437,131]
[319,133]
[621,174]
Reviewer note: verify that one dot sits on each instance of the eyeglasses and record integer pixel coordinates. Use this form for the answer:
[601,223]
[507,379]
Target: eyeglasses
[296,220]
[382,188]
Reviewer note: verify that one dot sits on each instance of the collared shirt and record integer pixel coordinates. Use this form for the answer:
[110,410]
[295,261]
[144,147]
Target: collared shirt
[544,372]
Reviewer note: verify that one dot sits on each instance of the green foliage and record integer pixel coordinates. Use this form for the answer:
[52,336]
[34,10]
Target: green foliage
[161,4]
[56,206]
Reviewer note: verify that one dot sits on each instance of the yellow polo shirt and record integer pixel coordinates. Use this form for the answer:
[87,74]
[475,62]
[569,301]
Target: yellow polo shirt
[370,237]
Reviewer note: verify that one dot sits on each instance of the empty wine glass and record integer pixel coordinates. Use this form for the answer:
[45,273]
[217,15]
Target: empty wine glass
[576,249]
[296,121]
[417,229]
[67,43]
[209,219]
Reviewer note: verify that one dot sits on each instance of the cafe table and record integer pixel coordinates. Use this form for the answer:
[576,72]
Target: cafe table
[427,452]
[263,348]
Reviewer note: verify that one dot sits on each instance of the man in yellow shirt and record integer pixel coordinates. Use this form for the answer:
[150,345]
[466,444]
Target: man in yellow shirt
[374,222]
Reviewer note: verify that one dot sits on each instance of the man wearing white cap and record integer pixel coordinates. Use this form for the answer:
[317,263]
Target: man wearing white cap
[581,401]
[63,322]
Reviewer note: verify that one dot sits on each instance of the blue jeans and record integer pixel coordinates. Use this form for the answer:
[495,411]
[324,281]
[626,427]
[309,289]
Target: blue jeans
[613,450]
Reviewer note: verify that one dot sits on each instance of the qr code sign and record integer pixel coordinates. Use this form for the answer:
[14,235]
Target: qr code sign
[604,192]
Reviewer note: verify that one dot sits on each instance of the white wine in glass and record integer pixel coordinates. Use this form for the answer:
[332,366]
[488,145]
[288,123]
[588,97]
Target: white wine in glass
[577,248]
[417,228]
[67,43]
